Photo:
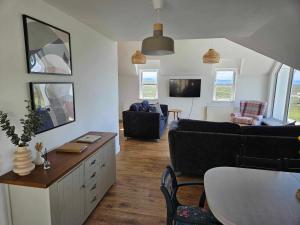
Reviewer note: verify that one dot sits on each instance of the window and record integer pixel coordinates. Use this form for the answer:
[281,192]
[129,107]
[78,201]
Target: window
[148,84]
[286,105]
[224,86]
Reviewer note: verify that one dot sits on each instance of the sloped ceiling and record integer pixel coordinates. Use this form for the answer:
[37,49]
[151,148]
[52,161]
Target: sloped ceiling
[270,27]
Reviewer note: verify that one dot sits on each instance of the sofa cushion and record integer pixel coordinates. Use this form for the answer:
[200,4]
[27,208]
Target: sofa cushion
[145,105]
[206,126]
[285,131]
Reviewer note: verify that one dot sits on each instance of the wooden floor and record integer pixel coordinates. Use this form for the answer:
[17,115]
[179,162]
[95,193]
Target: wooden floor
[136,198]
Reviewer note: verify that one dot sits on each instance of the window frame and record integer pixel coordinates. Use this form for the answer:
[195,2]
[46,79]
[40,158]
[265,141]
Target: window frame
[288,94]
[233,86]
[141,97]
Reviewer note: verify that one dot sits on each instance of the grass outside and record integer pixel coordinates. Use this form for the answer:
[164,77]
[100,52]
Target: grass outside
[149,91]
[224,93]
[294,108]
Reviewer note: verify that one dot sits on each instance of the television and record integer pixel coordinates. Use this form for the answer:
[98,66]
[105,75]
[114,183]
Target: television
[185,87]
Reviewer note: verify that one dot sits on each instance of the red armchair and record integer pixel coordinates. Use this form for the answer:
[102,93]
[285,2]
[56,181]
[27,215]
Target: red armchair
[251,113]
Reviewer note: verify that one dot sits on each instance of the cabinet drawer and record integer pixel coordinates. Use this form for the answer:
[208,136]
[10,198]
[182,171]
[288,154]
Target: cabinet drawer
[92,161]
[91,197]
[92,175]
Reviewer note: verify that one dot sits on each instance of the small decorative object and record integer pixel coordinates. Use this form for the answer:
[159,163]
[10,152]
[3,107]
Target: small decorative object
[46,162]
[39,160]
[23,160]
[298,194]
[48,48]
[54,102]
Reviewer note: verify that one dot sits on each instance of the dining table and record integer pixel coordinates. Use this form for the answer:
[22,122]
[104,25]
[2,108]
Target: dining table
[241,196]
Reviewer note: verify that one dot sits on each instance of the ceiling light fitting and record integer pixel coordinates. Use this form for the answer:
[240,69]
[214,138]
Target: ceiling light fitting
[158,44]
[138,58]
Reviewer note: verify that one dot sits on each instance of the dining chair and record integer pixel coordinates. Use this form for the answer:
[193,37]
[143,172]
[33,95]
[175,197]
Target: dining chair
[258,163]
[291,165]
[178,214]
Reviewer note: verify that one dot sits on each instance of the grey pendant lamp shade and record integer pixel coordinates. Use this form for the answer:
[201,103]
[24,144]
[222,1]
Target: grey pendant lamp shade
[158,44]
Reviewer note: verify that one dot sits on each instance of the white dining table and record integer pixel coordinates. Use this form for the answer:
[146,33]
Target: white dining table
[239,196]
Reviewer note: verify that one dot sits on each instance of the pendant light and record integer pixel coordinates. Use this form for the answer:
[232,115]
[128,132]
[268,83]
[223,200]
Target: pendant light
[211,56]
[138,58]
[158,44]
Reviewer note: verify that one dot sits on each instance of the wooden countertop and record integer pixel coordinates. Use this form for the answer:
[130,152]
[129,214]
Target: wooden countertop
[61,164]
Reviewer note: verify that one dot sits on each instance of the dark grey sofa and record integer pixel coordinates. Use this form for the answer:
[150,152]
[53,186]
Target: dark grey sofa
[197,146]
[144,124]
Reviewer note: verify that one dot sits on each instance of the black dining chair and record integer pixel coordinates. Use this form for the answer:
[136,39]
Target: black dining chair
[178,214]
[258,163]
[291,165]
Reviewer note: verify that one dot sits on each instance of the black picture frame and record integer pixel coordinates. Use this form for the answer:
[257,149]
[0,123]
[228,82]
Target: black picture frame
[31,52]
[43,117]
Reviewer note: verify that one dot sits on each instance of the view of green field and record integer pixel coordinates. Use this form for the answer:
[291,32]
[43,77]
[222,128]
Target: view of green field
[294,108]
[149,91]
[224,93]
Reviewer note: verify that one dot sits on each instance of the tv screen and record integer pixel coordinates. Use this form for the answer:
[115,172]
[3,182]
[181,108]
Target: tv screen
[185,87]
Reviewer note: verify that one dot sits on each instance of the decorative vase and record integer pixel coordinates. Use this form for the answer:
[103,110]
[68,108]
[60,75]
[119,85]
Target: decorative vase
[39,160]
[23,161]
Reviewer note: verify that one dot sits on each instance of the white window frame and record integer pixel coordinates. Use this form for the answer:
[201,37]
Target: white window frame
[141,85]
[234,84]
[288,94]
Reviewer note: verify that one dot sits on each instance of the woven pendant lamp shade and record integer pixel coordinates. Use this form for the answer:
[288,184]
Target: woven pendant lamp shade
[138,58]
[211,57]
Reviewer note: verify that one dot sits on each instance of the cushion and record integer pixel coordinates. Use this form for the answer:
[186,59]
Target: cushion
[250,108]
[194,215]
[208,126]
[136,107]
[158,109]
[285,131]
[145,105]
[243,120]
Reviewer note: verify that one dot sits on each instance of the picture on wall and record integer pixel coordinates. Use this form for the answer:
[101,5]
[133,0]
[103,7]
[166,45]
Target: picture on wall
[54,102]
[48,48]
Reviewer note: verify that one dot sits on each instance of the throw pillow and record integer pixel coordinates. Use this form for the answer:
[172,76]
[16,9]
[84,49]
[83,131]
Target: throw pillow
[158,109]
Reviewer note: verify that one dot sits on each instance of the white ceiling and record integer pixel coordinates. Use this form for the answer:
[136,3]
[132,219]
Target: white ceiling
[183,19]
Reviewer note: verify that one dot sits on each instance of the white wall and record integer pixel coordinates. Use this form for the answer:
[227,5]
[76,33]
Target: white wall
[95,78]
[252,80]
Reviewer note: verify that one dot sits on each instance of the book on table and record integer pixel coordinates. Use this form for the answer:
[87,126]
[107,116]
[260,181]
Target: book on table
[72,147]
[89,138]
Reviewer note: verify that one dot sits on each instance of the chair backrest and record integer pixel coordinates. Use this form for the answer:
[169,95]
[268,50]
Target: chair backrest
[169,189]
[291,165]
[258,163]
[252,108]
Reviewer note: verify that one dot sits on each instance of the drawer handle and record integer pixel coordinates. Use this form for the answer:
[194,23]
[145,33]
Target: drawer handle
[94,199]
[94,187]
[103,165]
[83,186]
[93,162]
[93,175]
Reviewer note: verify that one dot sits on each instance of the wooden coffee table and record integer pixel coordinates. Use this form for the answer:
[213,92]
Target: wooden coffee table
[175,113]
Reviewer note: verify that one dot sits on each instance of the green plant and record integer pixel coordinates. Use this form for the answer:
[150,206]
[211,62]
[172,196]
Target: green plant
[31,123]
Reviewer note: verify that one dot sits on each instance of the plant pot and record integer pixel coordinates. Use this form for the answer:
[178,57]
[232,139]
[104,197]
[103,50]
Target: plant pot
[39,160]
[23,161]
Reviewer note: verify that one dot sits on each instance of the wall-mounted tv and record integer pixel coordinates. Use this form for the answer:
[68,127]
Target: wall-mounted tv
[185,87]
[54,102]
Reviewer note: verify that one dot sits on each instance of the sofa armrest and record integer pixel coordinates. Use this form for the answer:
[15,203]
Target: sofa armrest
[164,109]
[141,124]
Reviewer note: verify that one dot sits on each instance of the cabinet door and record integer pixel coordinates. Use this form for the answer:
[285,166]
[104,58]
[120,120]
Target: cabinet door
[71,197]
[111,164]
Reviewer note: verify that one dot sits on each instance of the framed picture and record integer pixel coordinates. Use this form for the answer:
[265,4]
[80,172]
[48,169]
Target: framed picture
[55,103]
[48,48]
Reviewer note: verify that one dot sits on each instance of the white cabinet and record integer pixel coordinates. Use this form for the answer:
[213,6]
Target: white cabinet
[71,199]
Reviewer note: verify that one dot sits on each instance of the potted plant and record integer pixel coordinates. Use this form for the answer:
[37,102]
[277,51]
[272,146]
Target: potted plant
[31,123]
